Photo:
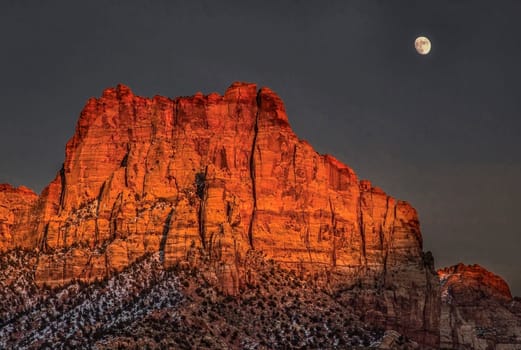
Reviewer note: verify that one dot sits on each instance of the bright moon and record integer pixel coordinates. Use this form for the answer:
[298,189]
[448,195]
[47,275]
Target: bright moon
[422,45]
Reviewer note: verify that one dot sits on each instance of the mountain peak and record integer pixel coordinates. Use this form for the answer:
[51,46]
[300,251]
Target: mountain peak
[464,279]
[221,181]
[118,92]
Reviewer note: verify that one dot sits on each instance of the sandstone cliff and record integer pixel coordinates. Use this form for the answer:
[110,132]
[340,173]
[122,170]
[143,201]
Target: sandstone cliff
[478,311]
[15,208]
[210,179]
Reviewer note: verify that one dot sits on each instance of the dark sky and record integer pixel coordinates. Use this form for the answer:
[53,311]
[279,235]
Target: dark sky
[441,131]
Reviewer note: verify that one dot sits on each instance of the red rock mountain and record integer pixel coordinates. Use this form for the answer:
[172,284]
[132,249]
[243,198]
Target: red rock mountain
[465,282]
[208,180]
[477,310]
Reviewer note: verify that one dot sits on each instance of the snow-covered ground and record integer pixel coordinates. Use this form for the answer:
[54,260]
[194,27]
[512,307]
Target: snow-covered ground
[79,314]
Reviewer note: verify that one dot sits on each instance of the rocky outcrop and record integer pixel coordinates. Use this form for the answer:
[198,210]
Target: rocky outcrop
[209,179]
[15,205]
[470,283]
[478,311]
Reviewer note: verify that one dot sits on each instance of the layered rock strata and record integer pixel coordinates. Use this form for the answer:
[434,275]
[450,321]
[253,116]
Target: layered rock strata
[210,179]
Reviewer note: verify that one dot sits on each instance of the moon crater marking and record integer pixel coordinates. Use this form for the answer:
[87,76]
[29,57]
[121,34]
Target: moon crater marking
[422,45]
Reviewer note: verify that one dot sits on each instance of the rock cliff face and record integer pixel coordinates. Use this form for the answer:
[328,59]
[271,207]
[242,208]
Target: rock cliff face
[211,179]
[478,311]
[15,208]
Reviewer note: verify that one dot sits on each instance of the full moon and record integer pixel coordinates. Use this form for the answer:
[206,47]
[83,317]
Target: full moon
[422,45]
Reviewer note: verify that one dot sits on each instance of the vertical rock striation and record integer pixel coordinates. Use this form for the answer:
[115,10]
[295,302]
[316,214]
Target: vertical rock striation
[15,210]
[211,179]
